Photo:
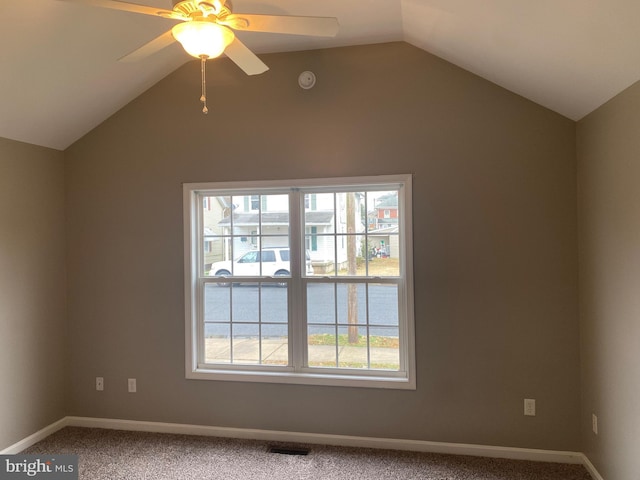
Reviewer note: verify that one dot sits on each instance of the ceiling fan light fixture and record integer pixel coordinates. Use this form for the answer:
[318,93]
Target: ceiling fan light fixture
[206,30]
[202,38]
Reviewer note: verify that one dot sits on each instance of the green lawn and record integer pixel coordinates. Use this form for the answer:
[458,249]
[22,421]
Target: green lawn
[374,341]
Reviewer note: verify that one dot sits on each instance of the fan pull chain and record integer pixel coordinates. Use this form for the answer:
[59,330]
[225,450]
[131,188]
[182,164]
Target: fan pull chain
[203,71]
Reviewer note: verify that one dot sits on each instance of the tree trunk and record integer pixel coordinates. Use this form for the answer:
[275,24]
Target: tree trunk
[352,266]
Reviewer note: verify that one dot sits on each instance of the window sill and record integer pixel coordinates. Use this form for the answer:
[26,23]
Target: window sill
[303,378]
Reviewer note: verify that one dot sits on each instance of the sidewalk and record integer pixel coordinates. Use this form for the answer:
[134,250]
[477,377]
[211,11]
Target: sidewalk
[275,352]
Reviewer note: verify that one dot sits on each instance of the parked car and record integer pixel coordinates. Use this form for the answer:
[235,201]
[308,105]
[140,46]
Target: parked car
[275,262]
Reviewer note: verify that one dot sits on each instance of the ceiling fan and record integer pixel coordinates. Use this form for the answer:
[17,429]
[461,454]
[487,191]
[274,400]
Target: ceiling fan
[206,31]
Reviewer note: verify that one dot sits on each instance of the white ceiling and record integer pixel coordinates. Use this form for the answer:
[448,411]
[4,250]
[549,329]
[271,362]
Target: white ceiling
[59,74]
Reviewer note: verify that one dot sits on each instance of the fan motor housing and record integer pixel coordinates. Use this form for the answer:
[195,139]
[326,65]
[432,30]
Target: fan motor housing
[187,7]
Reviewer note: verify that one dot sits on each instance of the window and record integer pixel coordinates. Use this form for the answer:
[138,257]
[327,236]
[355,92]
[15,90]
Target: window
[314,239]
[310,201]
[306,301]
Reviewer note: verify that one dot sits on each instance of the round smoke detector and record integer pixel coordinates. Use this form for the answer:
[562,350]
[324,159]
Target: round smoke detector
[307,80]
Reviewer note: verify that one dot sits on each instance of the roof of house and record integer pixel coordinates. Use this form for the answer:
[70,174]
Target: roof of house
[384,230]
[276,218]
[390,200]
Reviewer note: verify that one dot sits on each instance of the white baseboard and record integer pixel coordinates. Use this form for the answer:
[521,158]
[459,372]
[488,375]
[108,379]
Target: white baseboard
[339,440]
[591,469]
[35,438]
[313,438]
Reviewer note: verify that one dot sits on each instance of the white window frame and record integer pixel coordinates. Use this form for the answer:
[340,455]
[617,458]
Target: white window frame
[296,372]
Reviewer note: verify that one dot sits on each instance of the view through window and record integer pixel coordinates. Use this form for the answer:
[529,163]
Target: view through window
[300,281]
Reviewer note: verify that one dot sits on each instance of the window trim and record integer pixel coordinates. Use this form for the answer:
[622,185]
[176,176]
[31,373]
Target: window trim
[193,303]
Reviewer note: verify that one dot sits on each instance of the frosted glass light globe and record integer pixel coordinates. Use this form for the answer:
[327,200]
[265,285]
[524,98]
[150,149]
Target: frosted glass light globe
[203,38]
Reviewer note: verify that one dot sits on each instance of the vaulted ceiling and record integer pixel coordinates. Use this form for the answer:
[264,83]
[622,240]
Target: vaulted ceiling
[59,74]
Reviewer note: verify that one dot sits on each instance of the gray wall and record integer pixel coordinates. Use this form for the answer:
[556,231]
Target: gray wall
[609,239]
[495,243]
[32,290]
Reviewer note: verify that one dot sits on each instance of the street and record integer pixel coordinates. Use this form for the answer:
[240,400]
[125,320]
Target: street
[266,311]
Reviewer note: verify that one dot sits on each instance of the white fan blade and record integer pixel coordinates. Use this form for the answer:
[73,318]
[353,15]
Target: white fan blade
[149,48]
[245,58]
[316,26]
[130,7]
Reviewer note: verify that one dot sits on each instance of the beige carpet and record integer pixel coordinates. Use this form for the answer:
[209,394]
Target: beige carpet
[113,454]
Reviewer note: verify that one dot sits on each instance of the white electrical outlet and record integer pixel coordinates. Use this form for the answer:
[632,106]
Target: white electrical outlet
[594,423]
[100,383]
[530,407]
[132,385]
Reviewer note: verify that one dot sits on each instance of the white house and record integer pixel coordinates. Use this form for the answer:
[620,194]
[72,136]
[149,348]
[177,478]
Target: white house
[263,221]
